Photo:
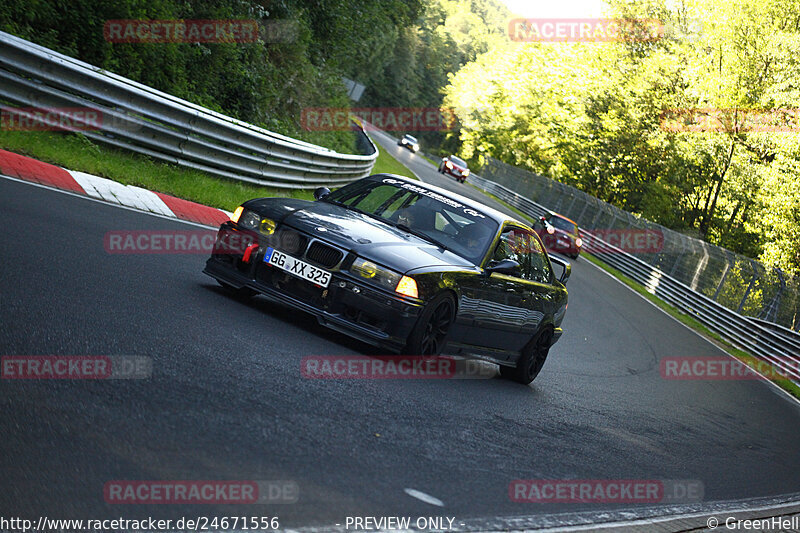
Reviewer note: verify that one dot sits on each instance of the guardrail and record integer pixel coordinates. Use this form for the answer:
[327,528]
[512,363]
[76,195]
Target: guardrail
[779,348]
[149,122]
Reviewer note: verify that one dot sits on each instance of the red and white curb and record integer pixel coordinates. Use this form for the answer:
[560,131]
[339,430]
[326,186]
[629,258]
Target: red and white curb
[27,169]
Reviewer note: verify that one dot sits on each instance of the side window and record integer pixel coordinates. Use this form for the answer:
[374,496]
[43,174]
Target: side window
[513,244]
[527,250]
[539,266]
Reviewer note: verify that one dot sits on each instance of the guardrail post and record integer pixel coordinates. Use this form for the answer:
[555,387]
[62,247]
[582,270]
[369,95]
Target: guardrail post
[747,291]
[722,280]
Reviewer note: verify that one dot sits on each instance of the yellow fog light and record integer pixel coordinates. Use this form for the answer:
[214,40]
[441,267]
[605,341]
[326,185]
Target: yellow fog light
[267,226]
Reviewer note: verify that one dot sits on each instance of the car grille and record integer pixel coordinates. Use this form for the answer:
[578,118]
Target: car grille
[323,255]
[291,242]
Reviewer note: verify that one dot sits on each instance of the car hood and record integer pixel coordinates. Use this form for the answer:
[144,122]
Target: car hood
[370,238]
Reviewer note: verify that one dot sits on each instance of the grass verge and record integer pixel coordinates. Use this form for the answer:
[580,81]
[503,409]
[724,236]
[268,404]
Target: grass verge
[76,152]
[689,321]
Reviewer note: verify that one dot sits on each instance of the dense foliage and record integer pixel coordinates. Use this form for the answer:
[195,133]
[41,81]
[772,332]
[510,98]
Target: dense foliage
[401,50]
[267,83]
[593,115]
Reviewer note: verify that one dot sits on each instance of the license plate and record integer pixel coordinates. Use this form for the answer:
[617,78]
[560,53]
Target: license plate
[301,269]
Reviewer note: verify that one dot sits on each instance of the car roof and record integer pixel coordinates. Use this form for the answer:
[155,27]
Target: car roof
[496,215]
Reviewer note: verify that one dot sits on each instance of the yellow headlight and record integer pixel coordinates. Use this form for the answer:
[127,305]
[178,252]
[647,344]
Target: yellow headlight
[237,214]
[407,287]
[365,269]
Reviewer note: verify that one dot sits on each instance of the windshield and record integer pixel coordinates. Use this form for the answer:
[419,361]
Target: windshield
[457,227]
[410,138]
[458,161]
[562,224]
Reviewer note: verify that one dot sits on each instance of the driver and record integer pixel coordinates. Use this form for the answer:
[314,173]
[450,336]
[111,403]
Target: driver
[474,237]
[406,217]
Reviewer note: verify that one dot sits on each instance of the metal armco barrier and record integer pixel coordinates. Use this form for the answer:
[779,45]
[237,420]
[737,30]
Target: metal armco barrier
[778,346]
[146,121]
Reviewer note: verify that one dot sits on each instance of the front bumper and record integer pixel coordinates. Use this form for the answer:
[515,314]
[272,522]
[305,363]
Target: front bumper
[455,173]
[347,305]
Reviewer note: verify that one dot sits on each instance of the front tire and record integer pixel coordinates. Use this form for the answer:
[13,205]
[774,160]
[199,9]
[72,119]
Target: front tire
[531,360]
[429,335]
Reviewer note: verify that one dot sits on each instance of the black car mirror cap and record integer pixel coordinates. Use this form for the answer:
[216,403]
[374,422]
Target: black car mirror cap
[506,266]
[321,192]
[566,265]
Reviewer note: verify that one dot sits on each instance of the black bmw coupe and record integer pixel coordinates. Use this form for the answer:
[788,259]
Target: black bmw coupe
[402,265]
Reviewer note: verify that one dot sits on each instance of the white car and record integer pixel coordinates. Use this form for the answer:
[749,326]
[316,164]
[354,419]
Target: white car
[409,142]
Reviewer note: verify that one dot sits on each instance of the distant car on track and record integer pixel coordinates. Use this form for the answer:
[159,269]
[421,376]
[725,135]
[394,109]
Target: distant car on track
[560,234]
[454,166]
[405,266]
[409,142]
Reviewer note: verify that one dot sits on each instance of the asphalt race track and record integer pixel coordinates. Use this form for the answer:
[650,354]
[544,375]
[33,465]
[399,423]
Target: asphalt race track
[227,399]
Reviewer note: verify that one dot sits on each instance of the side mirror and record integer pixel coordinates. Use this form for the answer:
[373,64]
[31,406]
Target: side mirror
[565,265]
[506,266]
[543,218]
[321,193]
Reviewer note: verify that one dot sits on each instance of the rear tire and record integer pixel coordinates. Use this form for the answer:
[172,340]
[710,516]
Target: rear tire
[531,360]
[429,335]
